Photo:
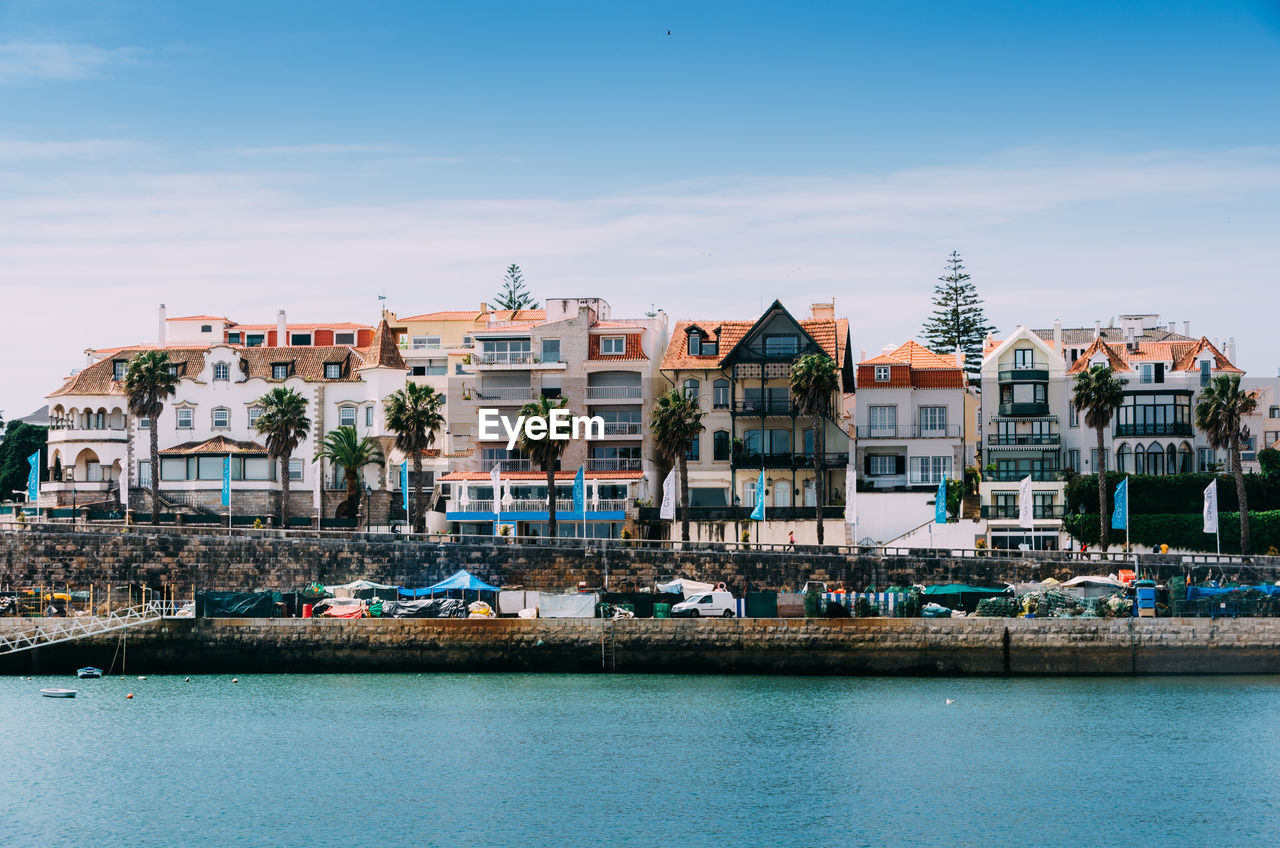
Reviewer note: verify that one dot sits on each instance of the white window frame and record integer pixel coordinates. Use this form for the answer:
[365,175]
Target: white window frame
[333,370]
[343,412]
[221,372]
[120,368]
[929,470]
[613,345]
[255,412]
[882,373]
[883,420]
[280,371]
[883,465]
[186,414]
[933,420]
[224,413]
[368,416]
[296,469]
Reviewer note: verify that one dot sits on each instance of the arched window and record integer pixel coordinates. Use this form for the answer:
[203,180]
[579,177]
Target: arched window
[749,493]
[720,394]
[1123,455]
[1155,459]
[221,418]
[1171,459]
[221,371]
[691,388]
[1184,459]
[1139,460]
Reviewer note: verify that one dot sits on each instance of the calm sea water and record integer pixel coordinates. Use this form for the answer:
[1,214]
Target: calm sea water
[400,760]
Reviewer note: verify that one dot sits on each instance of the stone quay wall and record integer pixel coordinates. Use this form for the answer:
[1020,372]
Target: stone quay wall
[206,558]
[765,646]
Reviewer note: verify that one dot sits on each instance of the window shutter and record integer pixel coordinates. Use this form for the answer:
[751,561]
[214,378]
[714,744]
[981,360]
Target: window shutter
[900,464]
[866,464]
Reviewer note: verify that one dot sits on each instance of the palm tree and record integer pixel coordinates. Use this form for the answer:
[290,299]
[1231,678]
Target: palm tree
[413,414]
[352,452]
[150,379]
[675,422]
[814,380]
[1098,394]
[1220,414]
[285,424]
[545,451]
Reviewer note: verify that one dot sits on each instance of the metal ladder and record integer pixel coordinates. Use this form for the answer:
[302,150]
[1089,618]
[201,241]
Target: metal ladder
[69,629]
[608,647]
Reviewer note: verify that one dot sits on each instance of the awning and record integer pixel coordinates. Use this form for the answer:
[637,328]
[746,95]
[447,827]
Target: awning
[359,584]
[462,580]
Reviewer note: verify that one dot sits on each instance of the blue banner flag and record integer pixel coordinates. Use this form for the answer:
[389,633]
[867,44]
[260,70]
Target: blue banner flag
[33,478]
[1120,516]
[757,514]
[404,485]
[940,503]
[580,491]
[226,481]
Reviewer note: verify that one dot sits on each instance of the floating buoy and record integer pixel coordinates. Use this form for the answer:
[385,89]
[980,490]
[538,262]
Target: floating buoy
[127,697]
[235,680]
[142,678]
[188,680]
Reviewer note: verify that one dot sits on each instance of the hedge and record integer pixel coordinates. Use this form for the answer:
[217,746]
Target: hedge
[1177,493]
[1185,532]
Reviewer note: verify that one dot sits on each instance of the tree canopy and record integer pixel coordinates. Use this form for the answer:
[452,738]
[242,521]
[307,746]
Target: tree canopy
[958,318]
[514,294]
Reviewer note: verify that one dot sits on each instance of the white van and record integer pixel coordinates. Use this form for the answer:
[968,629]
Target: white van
[714,604]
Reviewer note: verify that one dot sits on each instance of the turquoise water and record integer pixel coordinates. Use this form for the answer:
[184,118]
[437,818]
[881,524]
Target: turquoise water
[399,760]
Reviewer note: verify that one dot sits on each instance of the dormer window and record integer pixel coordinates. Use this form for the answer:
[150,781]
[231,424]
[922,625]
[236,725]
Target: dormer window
[279,370]
[695,343]
[613,346]
[233,338]
[344,338]
[119,367]
[333,370]
[221,371]
[709,347]
[300,339]
[1204,372]
[254,340]
[882,373]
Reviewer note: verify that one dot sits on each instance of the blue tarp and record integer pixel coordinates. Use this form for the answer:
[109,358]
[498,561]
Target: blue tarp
[463,580]
[1194,592]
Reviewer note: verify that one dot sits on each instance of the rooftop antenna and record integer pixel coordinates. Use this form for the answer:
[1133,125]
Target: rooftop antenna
[382,306]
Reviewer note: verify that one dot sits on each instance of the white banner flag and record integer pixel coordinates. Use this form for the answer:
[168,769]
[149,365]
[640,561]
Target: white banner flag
[1026,507]
[668,511]
[851,494]
[495,478]
[1211,508]
[124,484]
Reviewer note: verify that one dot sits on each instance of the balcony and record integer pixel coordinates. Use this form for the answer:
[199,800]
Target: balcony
[1013,410]
[501,359]
[564,506]
[487,465]
[1163,429]
[908,431]
[509,394]
[613,464]
[1023,439]
[830,459]
[1045,511]
[743,513]
[770,406]
[1035,373]
[745,459]
[611,393]
[622,428]
[1009,476]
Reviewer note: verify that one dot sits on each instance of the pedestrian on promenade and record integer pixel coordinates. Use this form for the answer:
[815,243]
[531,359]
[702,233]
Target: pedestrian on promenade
[791,539]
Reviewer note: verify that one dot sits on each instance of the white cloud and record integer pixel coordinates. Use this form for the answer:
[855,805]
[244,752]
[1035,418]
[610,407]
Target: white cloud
[1188,236]
[93,148]
[316,149]
[27,61]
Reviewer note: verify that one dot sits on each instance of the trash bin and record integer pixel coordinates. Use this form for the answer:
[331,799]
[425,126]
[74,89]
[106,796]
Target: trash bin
[662,610]
[307,609]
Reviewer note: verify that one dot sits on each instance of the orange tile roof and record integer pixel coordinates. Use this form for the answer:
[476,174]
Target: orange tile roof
[912,365]
[479,476]
[319,325]
[1181,354]
[830,336]
[383,352]
[220,445]
[98,378]
[1114,359]
[1220,362]
[916,355]
[454,315]
[197,318]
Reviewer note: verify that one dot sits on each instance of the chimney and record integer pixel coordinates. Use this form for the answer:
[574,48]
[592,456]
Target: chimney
[484,307]
[1186,329]
[1097,329]
[1173,326]
[823,311]
[887,349]
[163,326]
[1057,336]
[862,356]
[1132,338]
[282,330]
[1230,352]
[959,357]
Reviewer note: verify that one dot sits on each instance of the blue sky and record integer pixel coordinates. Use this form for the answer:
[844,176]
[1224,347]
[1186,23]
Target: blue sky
[237,158]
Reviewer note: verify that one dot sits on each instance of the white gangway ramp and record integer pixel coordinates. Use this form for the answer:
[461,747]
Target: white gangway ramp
[55,630]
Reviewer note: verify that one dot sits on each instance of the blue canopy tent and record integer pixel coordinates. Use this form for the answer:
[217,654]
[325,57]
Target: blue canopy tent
[462,581]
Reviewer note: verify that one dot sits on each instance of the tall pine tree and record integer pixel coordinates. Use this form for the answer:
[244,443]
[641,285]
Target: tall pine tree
[958,319]
[513,294]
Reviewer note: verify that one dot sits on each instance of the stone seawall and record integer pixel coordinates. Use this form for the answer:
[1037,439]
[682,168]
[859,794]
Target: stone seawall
[267,560]
[767,646]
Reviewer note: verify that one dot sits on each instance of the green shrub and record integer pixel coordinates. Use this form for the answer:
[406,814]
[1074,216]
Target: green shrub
[1178,493]
[1183,532]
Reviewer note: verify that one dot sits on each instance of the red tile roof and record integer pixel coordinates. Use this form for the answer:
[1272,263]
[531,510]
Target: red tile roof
[383,352]
[1114,359]
[912,365]
[1180,354]
[312,326]
[633,352]
[1220,363]
[830,335]
[197,318]
[218,445]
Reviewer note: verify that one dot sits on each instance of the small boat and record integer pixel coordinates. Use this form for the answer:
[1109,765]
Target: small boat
[58,693]
[88,673]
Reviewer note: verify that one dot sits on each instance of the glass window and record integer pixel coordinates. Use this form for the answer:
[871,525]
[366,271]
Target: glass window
[144,423]
[346,416]
[776,442]
[613,345]
[295,468]
[1208,460]
[184,418]
[119,367]
[720,394]
[209,467]
[368,416]
[332,370]
[930,469]
[1073,415]
[173,468]
[695,344]
[253,340]
[233,338]
[883,420]
[421,370]
[144,473]
[1093,457]
[206,328]
[221,371]
[300,339]
[933,420]
[883,466]
[221,418]
[550,350]
[344,338]
[692,453]
[1204,372]
[279,370]
[749,493]
[1073,460]
[1148,372]
[781,345]
[1274,412]
[720,446]
[691,388]
[882,373]
[255,412]
[1023,358]
[1139,459]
